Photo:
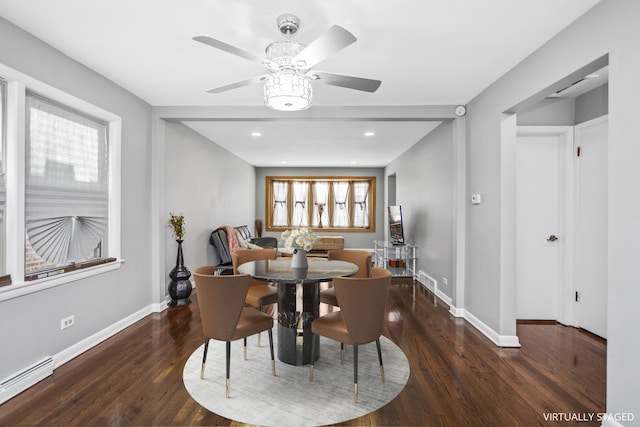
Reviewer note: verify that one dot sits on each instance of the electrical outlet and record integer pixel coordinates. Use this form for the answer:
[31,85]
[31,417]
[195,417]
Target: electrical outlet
[67,321]
[444,281]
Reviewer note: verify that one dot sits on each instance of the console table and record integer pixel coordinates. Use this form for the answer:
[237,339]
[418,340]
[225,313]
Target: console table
[401,260]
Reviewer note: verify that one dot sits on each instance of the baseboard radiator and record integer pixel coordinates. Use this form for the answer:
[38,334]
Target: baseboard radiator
[21,381]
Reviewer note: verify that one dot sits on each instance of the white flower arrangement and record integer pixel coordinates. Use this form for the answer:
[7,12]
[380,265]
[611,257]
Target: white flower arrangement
[299,238]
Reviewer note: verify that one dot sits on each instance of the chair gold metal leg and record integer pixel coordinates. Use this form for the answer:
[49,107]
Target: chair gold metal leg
[342,353]
[228,387]
[382,372]
[202,371]
[245,348]
[273,368]
[355,373]
[311,373]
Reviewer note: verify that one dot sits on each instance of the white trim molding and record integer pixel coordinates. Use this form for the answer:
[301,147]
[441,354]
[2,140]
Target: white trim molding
[17,85]
[499,340]
[21,381]
[431,284]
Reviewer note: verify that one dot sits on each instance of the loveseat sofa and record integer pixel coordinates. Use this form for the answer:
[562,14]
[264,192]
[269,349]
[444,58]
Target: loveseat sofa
[219,239]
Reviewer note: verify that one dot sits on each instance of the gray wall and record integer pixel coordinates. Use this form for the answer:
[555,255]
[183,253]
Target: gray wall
[549,112]
[567,112]
[363,240]
[610,27]
[424,189]
[210,186]
[592,104]
[30,325]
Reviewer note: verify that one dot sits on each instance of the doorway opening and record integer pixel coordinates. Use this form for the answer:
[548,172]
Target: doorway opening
[559,204]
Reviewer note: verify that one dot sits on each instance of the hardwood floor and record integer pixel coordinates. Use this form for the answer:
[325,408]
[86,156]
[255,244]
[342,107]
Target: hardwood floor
[458,377]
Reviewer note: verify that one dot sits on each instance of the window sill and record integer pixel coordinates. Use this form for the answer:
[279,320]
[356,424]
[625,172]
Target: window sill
[19,289]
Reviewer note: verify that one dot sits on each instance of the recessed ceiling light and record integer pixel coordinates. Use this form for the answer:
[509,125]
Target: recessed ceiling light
[283,162]
[354,163]
[369,133]
[256,134]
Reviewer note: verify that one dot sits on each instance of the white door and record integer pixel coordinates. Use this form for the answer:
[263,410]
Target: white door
[591,225]
[537,218]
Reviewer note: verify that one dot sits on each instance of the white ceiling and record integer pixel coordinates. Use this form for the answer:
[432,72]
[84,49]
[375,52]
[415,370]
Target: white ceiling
[426,52]
[324,145]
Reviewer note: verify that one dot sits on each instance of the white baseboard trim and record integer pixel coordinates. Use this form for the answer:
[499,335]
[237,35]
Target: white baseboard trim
[499,340]
[159,307]
[444,297]
[80,347]
[456,312]
[28,377]
[431,284]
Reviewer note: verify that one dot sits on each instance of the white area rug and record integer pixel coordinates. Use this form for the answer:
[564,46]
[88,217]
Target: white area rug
[289,399]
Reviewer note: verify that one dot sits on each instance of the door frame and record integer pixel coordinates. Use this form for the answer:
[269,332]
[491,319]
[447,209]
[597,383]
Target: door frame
[578,129]
[566,309]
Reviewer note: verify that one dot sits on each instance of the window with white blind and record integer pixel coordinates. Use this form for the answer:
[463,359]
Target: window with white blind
[66,186]
[327,203]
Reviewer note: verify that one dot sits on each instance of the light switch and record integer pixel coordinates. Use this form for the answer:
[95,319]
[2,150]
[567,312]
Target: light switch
[476,199]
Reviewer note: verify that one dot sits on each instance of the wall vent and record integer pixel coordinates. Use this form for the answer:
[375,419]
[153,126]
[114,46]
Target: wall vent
[429,282]
[21,381]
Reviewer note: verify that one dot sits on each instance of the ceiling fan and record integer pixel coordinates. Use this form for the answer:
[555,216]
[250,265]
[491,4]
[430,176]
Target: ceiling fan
[287,86]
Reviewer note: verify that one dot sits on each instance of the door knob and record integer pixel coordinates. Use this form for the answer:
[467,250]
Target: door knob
[552,238]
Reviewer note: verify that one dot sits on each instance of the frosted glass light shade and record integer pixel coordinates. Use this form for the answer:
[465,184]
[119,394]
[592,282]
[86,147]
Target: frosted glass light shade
[287,90]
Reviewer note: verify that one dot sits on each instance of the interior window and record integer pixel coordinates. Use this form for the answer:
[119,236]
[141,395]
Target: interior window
[67,192]
[300,204]
[279,204]
[328,203]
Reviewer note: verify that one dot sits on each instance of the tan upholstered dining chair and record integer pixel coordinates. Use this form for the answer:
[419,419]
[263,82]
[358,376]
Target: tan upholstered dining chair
[221,300]
[360,258]
[260,293]
[360,319]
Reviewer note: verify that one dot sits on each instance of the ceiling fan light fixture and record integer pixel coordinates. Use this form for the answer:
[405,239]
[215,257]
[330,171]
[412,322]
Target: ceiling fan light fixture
[287,90]
[287,87]
[282,52]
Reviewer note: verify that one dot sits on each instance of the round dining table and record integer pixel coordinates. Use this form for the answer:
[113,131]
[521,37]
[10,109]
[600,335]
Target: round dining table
[298,300]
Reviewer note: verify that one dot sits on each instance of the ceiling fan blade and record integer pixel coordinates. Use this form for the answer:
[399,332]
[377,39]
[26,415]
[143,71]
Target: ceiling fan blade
[334,39]
[230,86]
[208,40]
[349,82]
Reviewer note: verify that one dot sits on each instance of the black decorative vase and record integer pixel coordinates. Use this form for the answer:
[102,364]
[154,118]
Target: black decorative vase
[180,286]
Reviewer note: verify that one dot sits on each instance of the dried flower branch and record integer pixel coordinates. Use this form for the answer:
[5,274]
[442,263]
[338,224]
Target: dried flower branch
[176,223]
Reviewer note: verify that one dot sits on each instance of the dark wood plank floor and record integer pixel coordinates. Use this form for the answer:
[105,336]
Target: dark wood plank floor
[458,377]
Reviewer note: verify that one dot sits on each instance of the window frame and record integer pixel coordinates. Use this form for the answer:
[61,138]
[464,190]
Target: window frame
[5,279]
[371,197]
[17,86]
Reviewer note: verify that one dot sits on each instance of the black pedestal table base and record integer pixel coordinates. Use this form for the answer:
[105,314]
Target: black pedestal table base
[294,321]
